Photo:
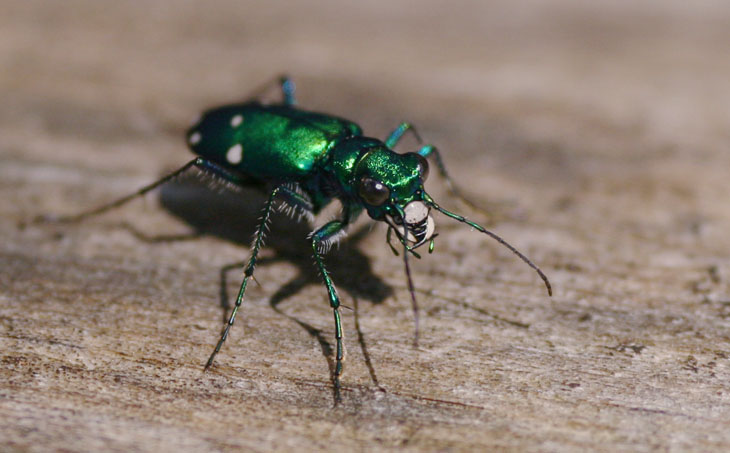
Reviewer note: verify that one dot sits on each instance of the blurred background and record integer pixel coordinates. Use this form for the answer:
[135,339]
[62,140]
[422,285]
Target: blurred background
[574,86]
[595,132]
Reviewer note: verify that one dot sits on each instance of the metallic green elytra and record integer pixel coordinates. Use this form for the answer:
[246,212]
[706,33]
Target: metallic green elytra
[268,142]
[305,160]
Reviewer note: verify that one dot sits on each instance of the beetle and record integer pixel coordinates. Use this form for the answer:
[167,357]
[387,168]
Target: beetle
[306,160]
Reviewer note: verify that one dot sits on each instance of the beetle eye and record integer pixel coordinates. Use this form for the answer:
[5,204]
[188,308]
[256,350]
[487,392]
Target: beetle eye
[422,167]
[373,192]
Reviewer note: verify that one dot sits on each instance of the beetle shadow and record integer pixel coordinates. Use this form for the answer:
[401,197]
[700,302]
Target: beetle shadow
[233,215]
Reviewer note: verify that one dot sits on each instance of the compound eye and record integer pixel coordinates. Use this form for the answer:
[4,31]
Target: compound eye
[422,167]
[373,192]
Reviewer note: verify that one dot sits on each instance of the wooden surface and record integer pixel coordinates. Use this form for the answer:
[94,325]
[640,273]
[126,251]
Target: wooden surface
[598,132]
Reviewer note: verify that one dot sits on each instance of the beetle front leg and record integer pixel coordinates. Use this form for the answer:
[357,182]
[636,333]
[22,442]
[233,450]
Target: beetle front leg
[248,272]
[322,239]
[388,238]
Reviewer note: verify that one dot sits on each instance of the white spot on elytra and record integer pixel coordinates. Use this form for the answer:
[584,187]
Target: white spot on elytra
[234,154]
[236,121]
[195,138]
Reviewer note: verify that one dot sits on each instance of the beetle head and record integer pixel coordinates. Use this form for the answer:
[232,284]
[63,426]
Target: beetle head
[390,186]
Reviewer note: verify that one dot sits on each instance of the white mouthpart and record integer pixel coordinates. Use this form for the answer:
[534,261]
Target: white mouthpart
[416,213]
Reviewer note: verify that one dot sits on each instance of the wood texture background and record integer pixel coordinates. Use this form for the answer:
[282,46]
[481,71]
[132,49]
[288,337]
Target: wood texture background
[598,133]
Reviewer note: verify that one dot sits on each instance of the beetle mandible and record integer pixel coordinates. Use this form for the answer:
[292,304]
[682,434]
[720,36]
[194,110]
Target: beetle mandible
[306,160]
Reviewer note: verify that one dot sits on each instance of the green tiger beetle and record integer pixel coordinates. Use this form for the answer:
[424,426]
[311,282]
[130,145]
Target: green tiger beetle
[306,160]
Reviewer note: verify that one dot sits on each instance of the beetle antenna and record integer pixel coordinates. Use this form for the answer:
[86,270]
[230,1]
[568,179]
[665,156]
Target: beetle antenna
[429,201]
[411,287]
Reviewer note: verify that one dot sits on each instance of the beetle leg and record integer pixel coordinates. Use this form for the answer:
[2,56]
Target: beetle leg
[247,273]
[388,238]
[296,201]
[219,171]
[321,241]
[426,151]
[398,133]
[430,150]
[202,164]
[288,90]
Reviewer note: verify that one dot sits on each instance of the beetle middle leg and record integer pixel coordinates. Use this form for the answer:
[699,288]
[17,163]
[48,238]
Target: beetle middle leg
[248,272]
[295,201]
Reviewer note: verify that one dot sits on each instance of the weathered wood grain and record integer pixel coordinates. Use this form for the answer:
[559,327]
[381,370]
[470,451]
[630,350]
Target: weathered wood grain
[597,132]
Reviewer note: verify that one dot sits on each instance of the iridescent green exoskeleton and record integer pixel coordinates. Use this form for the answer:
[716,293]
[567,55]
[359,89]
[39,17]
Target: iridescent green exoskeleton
[305,160]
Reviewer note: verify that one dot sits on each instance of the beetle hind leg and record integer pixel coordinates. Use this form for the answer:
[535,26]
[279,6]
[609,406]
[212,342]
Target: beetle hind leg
[204,165]
[74,218]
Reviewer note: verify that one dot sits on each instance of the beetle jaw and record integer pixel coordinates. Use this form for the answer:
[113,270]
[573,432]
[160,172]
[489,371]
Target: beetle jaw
[419,222]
